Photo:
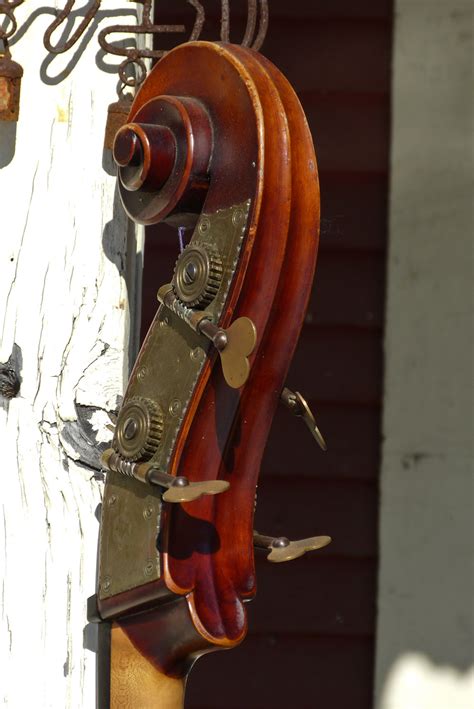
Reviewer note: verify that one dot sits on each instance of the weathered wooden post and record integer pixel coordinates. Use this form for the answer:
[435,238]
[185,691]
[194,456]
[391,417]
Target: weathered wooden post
[68,276]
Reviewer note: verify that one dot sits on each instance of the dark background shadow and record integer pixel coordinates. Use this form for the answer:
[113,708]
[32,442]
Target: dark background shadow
[312,625]
[7,142]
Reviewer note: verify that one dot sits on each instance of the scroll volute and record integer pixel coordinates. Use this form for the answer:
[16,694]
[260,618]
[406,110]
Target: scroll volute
[213,128]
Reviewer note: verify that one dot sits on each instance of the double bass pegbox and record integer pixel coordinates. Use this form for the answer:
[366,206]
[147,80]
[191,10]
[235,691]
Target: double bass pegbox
[238,167]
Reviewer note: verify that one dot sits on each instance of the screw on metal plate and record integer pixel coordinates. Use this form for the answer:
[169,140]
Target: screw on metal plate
[196,353]
[178,489]
[298,406]
[175,407]
[148,570]
[282,549]
[148,512]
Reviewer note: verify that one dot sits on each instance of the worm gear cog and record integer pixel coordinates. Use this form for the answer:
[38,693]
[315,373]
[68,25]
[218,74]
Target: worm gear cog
[139,429]
[197,275]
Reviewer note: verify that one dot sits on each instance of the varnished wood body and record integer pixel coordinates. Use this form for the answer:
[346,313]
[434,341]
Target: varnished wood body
[229,429]
[262,150]
[135,682]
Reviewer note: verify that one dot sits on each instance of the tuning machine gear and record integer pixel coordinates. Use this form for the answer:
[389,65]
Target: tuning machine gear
[139,429]
[282,549]
[197,275]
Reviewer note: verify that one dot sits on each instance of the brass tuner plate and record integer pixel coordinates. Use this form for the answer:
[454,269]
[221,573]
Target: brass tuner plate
[173,355]
[166,372]
[131,519]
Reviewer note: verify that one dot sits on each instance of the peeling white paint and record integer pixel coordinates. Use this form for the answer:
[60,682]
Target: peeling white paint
[102,425]
[64,302]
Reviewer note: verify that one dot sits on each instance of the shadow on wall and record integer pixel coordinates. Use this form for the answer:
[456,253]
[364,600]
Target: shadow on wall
[415,682]
[7,142]
[119,241]
[8,129]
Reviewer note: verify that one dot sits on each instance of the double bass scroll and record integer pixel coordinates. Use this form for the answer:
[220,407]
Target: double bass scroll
[217,143]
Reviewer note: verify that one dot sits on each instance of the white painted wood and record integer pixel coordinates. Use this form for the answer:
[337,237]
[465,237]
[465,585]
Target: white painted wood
[65,251]
[425,635]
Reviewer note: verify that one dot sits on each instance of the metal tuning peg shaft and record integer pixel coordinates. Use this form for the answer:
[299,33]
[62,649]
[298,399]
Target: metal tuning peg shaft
[298,406]
[234,344]
[179,488]
[282,549]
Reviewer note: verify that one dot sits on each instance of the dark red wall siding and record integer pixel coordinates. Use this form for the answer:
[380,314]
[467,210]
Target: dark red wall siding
[311,638]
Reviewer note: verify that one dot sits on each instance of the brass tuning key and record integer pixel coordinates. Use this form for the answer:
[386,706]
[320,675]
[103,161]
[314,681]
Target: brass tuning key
[179,488]
[298,406]
[235,344]
[282,549]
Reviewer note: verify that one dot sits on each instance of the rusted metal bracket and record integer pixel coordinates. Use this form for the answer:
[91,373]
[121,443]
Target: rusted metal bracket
[133,69]
[62,16]
[7,8]
[10,71]
[253,37]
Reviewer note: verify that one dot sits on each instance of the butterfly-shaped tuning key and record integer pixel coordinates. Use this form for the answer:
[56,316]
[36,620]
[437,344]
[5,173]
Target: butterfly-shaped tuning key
[282,549]
[234,344]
